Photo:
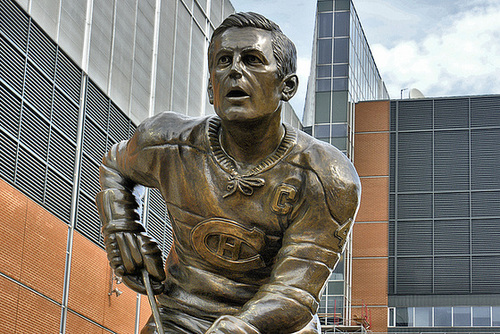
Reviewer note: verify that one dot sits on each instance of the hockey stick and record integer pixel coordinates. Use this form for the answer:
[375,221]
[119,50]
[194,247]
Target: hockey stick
[152,302]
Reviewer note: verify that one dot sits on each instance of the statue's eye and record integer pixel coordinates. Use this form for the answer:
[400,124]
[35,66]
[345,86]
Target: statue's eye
[224,60]
[252,60]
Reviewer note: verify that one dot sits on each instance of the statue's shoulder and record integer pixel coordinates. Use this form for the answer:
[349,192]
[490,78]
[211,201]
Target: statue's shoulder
[170,128]
[337,175]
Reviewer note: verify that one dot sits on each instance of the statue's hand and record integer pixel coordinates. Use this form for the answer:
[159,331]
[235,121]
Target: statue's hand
[128,253]
[231,325]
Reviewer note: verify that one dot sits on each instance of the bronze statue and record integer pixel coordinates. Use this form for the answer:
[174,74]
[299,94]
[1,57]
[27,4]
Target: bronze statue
[260,211]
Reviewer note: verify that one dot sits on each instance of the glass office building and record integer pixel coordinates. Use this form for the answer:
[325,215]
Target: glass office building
[343,72]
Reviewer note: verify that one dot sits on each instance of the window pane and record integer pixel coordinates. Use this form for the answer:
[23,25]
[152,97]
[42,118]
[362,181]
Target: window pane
[322,305]
[404,317]
[481,316]
[442,316]
[423,316]
[391,316]
[339,107]
[342,24]
[324,6]
[322,114]
[324,71]
[342,4]
[461,316]
[496,315]
[325,25]
[339,130]
[324,51]
[323,85]
[339,84]
[322,131]
[336,288]
[341,50]
[340,70]
[340,143]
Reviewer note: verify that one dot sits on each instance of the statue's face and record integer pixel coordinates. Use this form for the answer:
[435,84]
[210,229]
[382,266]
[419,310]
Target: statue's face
[244,75]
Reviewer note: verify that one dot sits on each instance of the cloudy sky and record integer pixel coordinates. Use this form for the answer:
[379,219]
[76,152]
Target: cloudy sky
[441,47]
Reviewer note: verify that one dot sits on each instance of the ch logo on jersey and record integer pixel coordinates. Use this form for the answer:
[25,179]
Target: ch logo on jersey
[283,198]
[227,244]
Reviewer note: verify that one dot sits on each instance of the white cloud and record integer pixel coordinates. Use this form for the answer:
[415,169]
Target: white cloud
[460,59]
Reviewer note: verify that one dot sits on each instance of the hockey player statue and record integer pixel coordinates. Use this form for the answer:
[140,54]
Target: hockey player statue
[260,211]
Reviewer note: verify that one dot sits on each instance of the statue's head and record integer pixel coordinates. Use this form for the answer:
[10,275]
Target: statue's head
[252,68]
[284,50]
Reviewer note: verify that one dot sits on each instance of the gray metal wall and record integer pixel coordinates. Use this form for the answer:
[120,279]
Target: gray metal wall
[445,199]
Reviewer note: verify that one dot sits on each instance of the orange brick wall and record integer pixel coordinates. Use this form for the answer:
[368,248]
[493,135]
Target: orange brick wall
[32,266]
[370,233]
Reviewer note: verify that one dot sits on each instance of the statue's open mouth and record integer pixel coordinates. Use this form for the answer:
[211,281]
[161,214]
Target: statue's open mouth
[237,93]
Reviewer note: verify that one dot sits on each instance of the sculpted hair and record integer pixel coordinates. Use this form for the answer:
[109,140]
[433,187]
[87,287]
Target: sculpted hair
[283,48]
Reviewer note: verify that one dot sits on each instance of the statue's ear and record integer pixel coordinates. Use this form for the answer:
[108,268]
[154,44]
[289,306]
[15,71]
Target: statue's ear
[210,91]
[290,85]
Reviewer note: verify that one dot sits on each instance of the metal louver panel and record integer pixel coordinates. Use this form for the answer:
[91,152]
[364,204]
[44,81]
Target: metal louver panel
[393,116]
[65,116]
[451,205]
[131,129]
[451,160]
[414,206]
[415,115]
[30,176]
[485,111]
[10,111]
[58,196]
[158,223]
[89,177]
[452,237]
[485,236]
[450,276]
[62,154]
[14,23]
[38,91]
[68,77]
[34,133]
[156,231]
[94,141]
[485,158]
[392,233]
[11,66]
[485,274]
[451,113]
[42,51]
[7,157]
[485,204]
[414,238]
[414,161]
[414,276]
[392,162]
[88,222]
[97,105]
[391,272]
[118,125]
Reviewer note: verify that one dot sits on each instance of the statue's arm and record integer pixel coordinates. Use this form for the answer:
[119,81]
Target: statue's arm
[123,174]
[311,248]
